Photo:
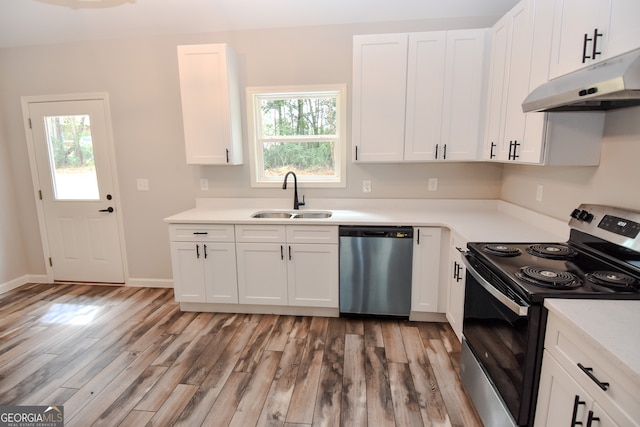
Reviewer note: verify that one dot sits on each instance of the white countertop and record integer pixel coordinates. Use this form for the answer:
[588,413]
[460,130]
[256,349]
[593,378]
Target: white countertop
[610,326]
[473,220]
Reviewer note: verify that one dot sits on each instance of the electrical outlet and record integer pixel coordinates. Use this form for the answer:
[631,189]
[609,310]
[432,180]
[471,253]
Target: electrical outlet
[204,184]
[433,184]
[142,184]
[366,186]
[539,193]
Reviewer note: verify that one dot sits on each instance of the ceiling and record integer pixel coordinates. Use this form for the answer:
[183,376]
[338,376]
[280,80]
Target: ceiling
[35,22]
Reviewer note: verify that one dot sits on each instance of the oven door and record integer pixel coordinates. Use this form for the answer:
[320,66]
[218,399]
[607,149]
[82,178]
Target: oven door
[501,335]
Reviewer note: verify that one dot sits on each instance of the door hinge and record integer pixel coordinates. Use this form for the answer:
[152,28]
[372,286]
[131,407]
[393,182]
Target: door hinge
[40,194]
[30,127]
[50,262]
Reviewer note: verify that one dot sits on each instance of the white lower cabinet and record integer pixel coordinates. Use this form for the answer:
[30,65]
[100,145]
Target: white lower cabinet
[581,385]
[456,284]
[204,263]
[425,293]
[562,402]
[288,265]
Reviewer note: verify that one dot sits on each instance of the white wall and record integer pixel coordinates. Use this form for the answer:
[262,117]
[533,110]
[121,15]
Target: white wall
[615,182]
[141,77]
[13,262]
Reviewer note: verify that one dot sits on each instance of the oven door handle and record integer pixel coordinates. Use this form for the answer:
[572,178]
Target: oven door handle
[520,310]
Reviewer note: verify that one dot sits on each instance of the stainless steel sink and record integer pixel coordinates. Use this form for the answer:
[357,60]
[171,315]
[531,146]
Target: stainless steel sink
[291,214]
[319,214]
[272,214]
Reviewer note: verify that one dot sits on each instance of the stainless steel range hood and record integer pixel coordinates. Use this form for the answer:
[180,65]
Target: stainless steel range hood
[608,85]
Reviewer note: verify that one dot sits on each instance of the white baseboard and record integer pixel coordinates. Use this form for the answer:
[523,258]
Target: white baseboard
[16,283]
[42,278]
[150,283]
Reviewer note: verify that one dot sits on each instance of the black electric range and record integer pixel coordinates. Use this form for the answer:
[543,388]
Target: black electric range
[504,315]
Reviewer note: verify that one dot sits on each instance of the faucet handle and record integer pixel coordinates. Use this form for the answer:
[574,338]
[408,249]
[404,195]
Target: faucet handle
[302,202]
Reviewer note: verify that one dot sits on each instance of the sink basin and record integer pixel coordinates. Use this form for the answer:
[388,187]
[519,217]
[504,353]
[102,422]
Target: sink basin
[291,214]
[319,214]
[272,214]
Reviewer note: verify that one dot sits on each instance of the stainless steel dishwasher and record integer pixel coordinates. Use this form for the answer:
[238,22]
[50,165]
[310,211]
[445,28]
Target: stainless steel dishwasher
[375,270]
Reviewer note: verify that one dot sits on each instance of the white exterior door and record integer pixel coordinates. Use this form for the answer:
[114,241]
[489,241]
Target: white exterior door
[71,157]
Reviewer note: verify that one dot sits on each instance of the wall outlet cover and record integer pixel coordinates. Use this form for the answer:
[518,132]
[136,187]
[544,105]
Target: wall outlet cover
[142,184]
[433,184]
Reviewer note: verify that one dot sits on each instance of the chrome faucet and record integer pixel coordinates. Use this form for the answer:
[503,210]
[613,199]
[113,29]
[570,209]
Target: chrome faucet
[296,204]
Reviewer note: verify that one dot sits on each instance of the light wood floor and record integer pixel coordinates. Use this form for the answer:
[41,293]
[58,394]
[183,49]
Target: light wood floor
[129,357]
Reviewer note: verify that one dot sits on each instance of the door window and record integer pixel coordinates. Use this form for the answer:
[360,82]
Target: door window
[73,169]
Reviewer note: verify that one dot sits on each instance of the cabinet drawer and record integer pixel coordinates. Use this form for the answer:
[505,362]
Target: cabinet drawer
[569,348]
[312,234]
[201,232]
[260,233]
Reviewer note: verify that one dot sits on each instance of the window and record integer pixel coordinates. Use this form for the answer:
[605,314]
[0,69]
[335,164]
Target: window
[300,129]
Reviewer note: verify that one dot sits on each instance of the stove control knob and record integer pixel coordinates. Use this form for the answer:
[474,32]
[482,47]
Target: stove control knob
[576,214]
[586,216]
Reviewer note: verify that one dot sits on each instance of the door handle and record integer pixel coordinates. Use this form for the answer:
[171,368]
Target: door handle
[109,209]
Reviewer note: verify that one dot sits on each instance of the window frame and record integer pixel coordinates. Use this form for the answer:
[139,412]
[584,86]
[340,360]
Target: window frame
[255,94]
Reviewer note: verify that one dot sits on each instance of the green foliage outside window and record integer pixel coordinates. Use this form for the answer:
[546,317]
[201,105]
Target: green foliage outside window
[298,119]
[70,138]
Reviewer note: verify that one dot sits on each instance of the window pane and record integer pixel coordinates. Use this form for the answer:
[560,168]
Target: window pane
[304,158]
[71,152]
[298,116]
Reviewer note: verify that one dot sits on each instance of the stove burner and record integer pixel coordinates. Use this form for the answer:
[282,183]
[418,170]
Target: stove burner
[548,277]
[552,251]
[502,250]
[613,280]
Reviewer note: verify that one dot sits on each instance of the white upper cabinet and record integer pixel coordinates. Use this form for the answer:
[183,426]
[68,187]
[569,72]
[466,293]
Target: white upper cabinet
[519,63]
[379,88]
[463,101]
[210,104]
[512,40]
[588,31]
[425,94]
[418,96]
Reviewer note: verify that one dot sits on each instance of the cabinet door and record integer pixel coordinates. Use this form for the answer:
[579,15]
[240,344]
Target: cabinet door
[517,81]
[262,273]
[313,275]
[497,87]
[463,95]
[210,104]
[624,34]
[575,24]
[220,272]
[426,270]
[455,295]
[425,90]
[557,396]
[188,272]
[379,87]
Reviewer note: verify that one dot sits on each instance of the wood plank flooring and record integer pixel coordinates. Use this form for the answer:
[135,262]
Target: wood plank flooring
[119,356]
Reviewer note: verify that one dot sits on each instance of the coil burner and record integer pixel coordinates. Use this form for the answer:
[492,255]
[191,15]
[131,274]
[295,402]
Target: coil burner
[613,280]
[501,250]
[552,251]
[548,277]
